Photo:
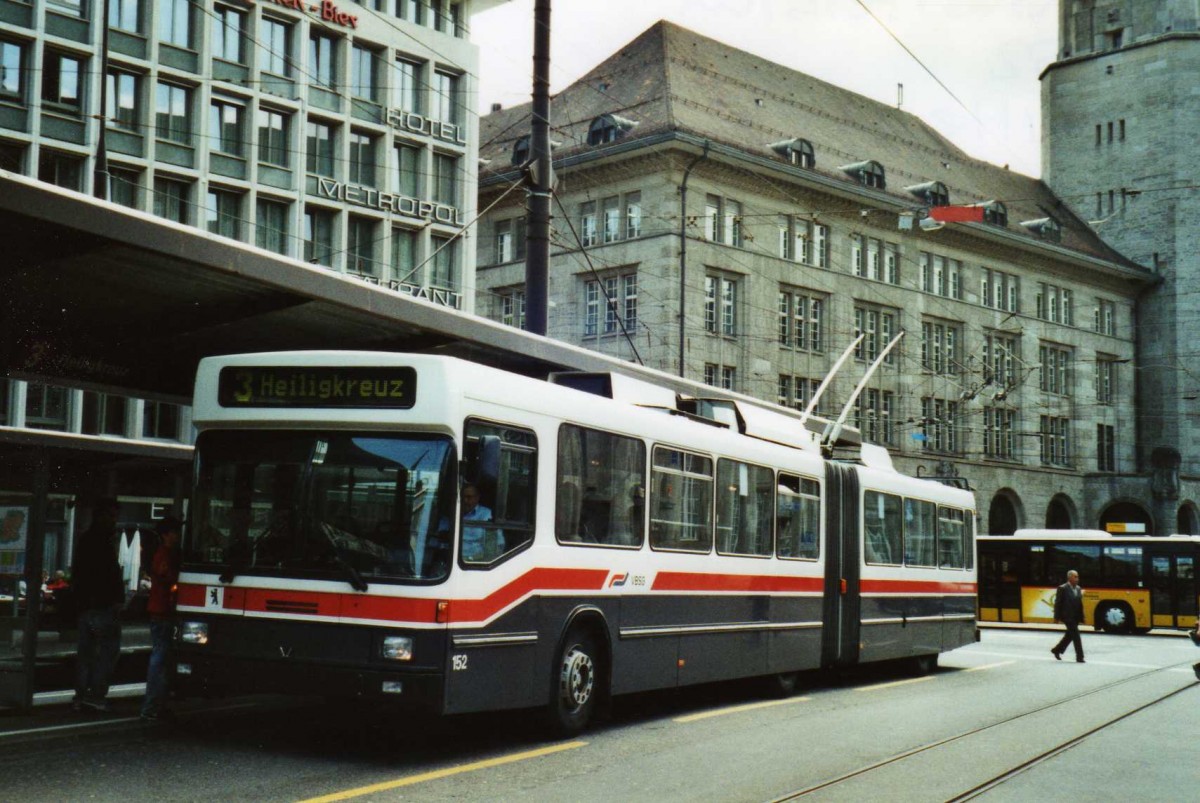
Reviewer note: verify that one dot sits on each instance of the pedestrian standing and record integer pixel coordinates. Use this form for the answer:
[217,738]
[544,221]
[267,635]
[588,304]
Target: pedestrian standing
[1068,609]
[164,574]
[99,594]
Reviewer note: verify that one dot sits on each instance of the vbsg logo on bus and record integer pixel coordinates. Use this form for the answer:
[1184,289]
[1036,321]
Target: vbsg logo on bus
[294,386]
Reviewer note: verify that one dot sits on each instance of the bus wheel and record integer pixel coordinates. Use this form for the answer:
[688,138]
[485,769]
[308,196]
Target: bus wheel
[1115,619]
[781,685]
[922,664]
[575,684]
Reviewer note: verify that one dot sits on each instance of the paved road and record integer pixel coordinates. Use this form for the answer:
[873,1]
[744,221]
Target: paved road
[1119,727]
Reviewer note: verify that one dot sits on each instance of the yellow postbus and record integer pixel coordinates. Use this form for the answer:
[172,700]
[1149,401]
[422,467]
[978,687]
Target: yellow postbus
[1131,584]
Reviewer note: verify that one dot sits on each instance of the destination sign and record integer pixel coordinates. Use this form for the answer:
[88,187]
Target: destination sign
[351,387]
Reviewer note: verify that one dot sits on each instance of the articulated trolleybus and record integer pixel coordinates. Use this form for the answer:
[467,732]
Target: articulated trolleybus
[426,530]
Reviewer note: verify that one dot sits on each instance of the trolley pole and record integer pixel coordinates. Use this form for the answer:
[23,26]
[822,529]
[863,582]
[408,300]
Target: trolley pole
[540,180]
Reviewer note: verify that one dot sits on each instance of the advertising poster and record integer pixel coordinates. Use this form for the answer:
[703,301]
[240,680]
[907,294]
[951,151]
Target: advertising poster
[13,529]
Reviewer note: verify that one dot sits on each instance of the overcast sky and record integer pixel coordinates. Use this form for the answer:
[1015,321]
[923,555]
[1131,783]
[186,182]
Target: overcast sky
[988,53]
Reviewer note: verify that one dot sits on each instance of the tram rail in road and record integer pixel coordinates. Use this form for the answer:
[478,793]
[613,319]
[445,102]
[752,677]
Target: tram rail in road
[985,768]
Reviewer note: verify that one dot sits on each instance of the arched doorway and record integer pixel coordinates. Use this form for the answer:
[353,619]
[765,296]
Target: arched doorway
[1003,514]
[1187,521]
[1126,513]
[1060,513]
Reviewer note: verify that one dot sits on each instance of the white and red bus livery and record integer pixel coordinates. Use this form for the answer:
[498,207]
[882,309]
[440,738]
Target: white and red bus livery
[429,530]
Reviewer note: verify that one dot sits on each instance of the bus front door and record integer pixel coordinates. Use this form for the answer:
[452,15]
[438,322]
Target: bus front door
[1172,590]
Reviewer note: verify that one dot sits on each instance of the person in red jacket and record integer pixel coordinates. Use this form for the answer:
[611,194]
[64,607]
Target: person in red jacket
[164,573]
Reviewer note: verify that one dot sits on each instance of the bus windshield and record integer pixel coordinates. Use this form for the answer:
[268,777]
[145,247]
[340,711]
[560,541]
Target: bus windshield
[323,505]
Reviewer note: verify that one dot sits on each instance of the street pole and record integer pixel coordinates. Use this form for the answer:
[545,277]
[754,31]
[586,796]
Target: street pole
[540,181]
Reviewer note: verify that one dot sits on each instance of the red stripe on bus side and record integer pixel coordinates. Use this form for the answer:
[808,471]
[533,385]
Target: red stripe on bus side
[191,595]
[477,610]
[695,581]
[915,587]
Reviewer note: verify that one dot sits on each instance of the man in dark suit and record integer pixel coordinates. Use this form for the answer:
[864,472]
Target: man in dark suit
[1068,609]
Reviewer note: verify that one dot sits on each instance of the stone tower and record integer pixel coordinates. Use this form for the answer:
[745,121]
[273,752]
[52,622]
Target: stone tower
[1120,112]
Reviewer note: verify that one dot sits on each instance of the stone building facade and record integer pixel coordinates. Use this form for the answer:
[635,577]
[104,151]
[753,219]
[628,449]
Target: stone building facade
[727,219]
[1119,118]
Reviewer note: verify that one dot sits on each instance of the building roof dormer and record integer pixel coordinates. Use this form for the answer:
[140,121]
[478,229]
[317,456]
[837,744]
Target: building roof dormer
[869,173]
[796,151]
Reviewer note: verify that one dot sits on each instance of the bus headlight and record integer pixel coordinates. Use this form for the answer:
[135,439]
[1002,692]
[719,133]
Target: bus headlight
[397,648]
[194,633]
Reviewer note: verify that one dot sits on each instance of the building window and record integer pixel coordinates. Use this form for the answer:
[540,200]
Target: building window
[122,101]
[171,199]
[878,326]
[408,179]
[941,426]
[123,14]
[941,276]
[46,406]
[61,88]
[175,22]
[733,223]
[800,317]
[998,426]
[445,97]
[868,174]
[633,215]
[1055,304]
[712,218]
[223,213]
[873,415]
[611,228]
[1105,376]
[720,376]
[512,308]
[1056,370]
[124,187]
[12,75]
[160,420]
[1055,433]
[362,73]
[318,237]
[318,153]
[1000,357]
[225,127]
[362,159]
[61,170]
[404,254]
[407,86]
[1106,317]
[587,224]
[227,27]
[607,299]
[510,240]
[996,213]
[322,60]
[72,8]
[272,137]
[797,392]
[875,259]
[999,290]
[103,414]
[941,347]
[445,262]
[360,246]
[271,228]
[275,47]
[720,305]
[445,179]
[172,113]
[1106,448]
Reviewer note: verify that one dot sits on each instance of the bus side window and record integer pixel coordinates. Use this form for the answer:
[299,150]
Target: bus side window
[797,517]
[599,491]
[508,502]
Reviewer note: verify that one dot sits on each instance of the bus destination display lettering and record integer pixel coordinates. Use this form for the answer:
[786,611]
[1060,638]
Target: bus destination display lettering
[282,386]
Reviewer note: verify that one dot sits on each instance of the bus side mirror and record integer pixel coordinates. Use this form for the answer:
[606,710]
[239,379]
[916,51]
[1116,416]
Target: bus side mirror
[488,468]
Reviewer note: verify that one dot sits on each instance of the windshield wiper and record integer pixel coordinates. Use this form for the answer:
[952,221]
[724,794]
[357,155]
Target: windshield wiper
[335,551]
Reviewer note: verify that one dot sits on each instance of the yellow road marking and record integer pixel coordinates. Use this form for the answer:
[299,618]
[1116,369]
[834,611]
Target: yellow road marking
[735,709]
[895,683]
[436,774]
[989,666]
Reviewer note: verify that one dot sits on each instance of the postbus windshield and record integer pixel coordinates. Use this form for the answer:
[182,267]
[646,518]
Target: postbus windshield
[359,507]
